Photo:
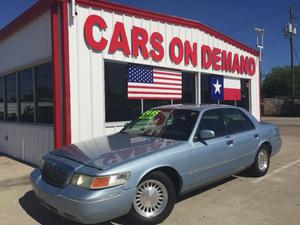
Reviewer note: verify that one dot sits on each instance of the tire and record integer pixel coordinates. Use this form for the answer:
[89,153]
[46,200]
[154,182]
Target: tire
[156,207]
[262,161]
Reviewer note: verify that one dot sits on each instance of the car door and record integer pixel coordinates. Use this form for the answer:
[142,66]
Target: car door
[212,158]
[244,135]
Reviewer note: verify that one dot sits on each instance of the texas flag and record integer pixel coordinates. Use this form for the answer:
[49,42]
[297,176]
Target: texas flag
[223,88]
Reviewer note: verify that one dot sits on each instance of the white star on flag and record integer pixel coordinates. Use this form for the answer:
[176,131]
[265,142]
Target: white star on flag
[217,87]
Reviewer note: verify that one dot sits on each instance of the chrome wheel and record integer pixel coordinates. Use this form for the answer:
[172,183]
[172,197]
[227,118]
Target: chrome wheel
[263,160]
[151,198]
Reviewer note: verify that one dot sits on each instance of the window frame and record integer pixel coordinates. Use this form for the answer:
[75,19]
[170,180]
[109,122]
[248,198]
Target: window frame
[16,96]
[17,74]
[19,95]
[35,95]
[243,115]
[3,94]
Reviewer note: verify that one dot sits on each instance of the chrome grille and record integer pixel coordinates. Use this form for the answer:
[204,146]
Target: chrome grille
[55,175]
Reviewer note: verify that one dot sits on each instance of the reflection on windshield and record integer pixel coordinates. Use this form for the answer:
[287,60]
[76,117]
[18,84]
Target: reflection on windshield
[174,124]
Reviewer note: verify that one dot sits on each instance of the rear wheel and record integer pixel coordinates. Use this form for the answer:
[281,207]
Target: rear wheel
[262,161]
[154,200]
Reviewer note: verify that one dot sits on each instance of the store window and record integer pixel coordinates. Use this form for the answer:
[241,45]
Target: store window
[206,95]
[228,102]
[11,97]
[44,93]
[188,89]
[245,86]
[1,98]
[148,104]
[117,105]
[26,95]
[205,90]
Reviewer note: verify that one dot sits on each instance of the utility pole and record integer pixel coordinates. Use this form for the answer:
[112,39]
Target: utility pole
[291,31]
[260,45]
[260,41]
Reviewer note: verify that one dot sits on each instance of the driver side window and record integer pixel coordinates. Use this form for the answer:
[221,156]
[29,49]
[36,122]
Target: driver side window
[212,120]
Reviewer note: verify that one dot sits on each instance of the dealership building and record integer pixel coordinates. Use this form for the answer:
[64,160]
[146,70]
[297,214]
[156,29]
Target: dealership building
[78,69]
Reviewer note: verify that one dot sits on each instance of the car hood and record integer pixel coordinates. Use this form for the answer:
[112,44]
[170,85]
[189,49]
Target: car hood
[107,151]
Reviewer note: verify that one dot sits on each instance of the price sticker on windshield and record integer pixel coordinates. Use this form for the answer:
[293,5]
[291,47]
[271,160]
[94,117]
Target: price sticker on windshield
[149,115]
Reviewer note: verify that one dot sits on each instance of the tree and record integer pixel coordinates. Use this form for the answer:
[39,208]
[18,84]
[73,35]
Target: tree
[278,82]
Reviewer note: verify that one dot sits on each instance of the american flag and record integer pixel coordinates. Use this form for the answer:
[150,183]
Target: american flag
[147,82]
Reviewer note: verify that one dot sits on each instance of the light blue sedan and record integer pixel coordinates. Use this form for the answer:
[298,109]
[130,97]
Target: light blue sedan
[166,152]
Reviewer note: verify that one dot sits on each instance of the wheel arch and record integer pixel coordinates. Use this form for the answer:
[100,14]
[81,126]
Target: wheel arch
[171,172]
[267,144]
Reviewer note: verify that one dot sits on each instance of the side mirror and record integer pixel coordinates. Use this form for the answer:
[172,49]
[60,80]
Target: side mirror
[205,134]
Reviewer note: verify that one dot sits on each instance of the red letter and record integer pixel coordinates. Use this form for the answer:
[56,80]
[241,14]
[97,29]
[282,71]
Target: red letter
[139,40]
[252,66]
[244,65]
[226,61]
[236,64]
[216,59]
[206,57]
[156,40]
[119,40]
[90,22]
[191,54]
[176,42]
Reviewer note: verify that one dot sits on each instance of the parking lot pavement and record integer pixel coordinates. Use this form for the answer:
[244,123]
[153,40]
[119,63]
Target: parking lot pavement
[271,200]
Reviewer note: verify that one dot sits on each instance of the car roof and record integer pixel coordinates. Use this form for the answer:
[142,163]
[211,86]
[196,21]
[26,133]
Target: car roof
[195,107]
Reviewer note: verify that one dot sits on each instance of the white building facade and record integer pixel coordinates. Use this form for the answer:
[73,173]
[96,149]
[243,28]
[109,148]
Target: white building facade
[64,70]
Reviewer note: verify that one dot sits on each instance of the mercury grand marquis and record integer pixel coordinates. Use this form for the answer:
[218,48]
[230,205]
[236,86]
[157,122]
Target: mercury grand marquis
[164,153]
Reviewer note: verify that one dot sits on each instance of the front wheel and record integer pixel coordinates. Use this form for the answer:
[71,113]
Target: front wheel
[262,161]
[154,200]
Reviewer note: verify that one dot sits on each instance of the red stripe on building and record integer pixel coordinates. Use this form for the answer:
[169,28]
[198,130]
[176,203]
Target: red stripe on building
[66,72]
[26,17]
[56,75]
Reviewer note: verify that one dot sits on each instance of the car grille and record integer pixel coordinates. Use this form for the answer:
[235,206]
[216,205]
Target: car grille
[55,175]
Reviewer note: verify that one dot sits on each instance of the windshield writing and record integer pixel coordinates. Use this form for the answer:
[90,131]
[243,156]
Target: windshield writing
[174,124]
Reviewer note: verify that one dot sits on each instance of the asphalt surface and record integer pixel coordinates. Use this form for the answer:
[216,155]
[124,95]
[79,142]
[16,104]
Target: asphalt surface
[271,200]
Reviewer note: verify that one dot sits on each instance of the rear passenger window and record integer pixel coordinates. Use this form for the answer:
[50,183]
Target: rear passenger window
[212,120]
[237,120]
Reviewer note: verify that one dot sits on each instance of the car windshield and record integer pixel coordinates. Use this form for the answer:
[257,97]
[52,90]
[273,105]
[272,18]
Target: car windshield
[174,124]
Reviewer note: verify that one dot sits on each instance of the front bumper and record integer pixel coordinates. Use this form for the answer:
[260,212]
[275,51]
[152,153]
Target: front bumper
[85,206]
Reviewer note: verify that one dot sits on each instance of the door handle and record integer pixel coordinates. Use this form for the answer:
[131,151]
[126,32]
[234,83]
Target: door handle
[256,136]
[230,142]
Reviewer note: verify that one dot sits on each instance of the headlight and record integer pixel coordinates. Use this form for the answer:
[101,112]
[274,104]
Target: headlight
[41,164]
[91,182]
